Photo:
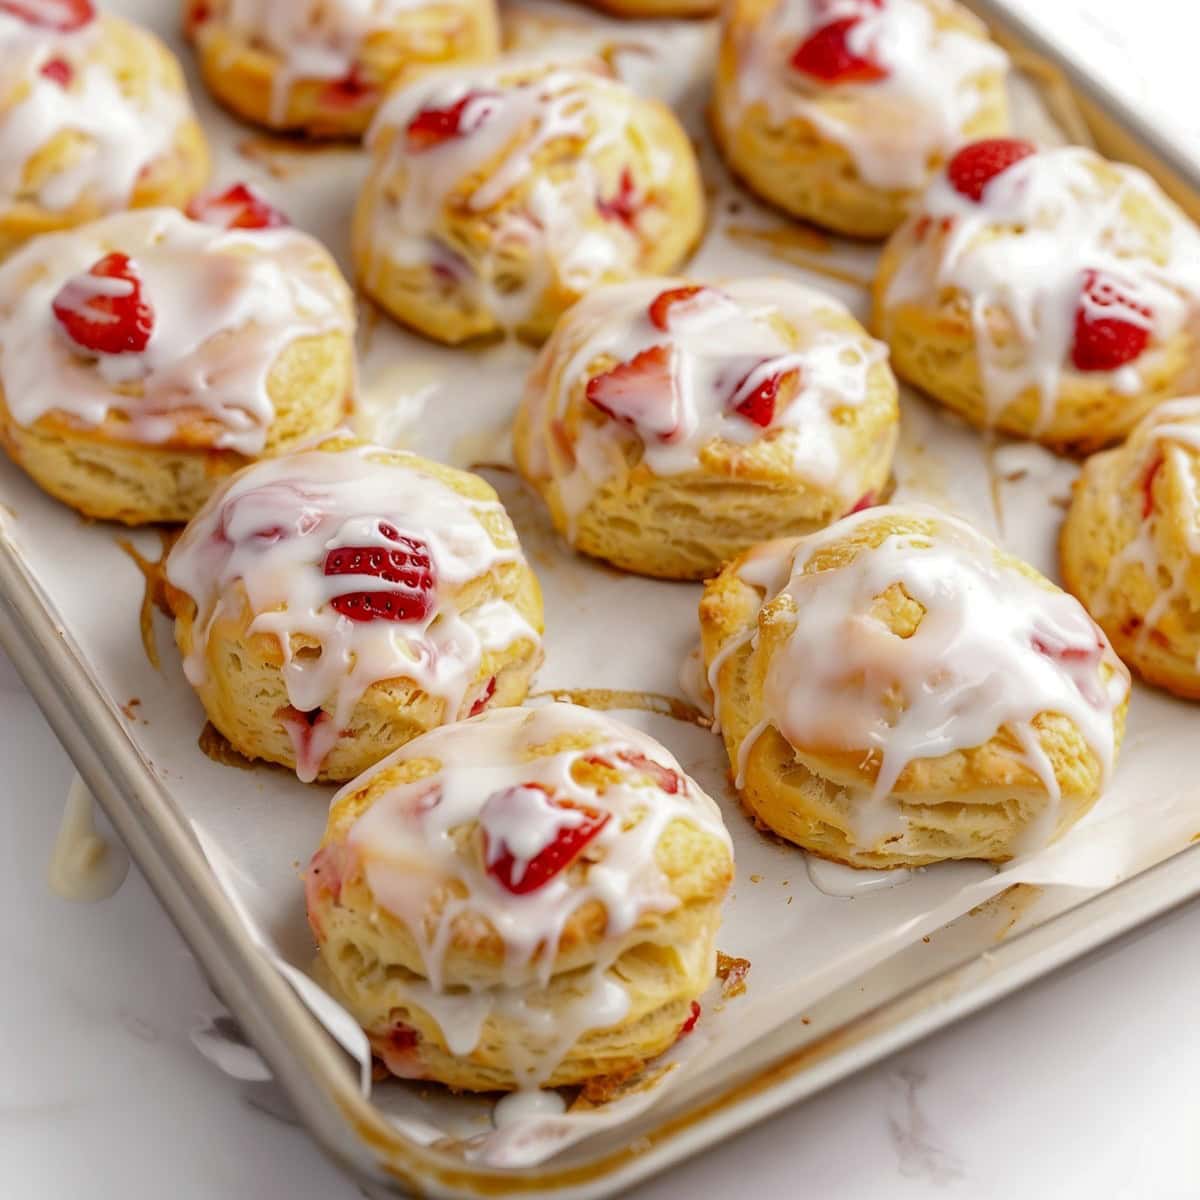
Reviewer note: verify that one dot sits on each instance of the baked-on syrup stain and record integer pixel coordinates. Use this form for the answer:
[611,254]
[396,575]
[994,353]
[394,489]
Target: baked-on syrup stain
[214,744]
[732,973]
[607,699]
[154,595]
[800,246]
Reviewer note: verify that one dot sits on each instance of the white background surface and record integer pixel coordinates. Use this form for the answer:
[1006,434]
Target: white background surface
[1086,1085]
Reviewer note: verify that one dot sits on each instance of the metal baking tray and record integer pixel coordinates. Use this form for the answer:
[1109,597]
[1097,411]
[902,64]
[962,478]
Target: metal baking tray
[970,964]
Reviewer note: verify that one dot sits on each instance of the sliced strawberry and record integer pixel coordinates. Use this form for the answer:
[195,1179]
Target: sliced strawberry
[756,401]
[63,15]
[325,873]
[661,305]
[59,70]
[976,165]
[866,500]
[690,1023]
[625,204]
[403,1037]
[826,55]
[433,126]
[408,565]
[1148,486]
[102,310]
[238,207]
[640,393]
[489,690]
[568,843]
[351,91]
[667,780]
[1112,328]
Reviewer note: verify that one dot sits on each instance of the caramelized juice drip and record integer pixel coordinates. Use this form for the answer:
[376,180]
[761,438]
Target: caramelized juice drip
[607,699]
[282,157]
[800,246]
[732,973]
[213,744]
[154,595]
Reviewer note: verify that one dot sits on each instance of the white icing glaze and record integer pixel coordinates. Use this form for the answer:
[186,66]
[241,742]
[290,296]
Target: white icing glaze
[123,133]
[226,305]
[409,854]
[312,39]
[524,1106]
[724,343]
[892,128]
[271,528]
[993,650]
[1166,439]
[1024,249]
[847,883]
[85,866]
[518,109]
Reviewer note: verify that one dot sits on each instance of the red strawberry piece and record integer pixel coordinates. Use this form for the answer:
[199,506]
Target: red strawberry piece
[976,165]
[489,690]
[667,780]
[63,15]
[568,843]
[690,1023]
[403,1037]
[640,393]
[59,70]
[1148,486]
[624,205]
[102,310]
[661,305]
[1112,328]
[351,91]
[757,401]
[407,565]
[866,500]
[826,55]
[238,207]
[433,126]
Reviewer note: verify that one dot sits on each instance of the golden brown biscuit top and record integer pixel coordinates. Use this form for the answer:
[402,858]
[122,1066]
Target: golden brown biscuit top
[517,820]
[71,73]
[892,81]
[364,564]
[902,634]
[158,320]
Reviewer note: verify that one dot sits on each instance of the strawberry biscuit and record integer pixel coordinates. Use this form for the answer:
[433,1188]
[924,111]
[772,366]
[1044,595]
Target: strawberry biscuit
[840,111]
[1045,293]
[671,425]
[146,356]
[332,604]
[94,118]
[528,899]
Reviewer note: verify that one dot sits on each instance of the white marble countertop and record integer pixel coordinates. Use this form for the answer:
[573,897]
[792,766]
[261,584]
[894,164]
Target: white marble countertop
[1082,1085]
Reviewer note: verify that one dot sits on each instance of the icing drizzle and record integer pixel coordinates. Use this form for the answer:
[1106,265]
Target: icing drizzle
[1026,248]
[53,83]
[226,305]
[271,528]
[992,651]
[722,343]
[410,848]
[892,127]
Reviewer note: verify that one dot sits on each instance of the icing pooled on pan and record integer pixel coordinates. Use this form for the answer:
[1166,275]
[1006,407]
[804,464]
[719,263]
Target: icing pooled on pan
[993,649]
[363,557]
[476,134]
[53,81]
[549,839]
[692,364]
[161,322]
[880,78]
[1166,442]
[315,40]
[1089,262]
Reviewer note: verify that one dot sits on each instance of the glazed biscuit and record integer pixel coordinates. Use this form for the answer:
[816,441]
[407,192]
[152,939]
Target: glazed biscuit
[1130,547]
[840,111]
[895,691]
[332,604]
[322,67]
[1048,294]
[498,196]
[669,426]
[94,118]
[145,356]
[526,899]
